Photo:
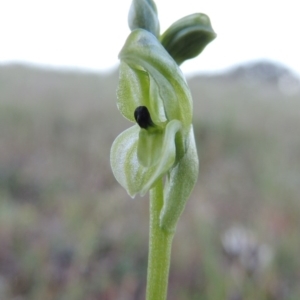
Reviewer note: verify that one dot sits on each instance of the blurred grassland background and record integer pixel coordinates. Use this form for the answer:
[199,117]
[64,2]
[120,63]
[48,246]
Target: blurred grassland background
[69,231]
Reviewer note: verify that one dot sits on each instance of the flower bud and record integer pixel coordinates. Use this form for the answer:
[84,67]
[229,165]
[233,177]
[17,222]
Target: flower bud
[143,14]
[187,37]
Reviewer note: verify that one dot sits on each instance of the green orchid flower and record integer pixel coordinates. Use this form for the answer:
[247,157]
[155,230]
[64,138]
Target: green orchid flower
[154,95]
[158,153]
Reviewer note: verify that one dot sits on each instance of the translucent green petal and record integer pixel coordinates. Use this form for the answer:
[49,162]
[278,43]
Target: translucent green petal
[180,183]
[143,51]
[132,175]
[124,162]
[135,89]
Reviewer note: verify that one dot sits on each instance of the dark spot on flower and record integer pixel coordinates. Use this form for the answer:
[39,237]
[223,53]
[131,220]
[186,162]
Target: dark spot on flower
[142,117]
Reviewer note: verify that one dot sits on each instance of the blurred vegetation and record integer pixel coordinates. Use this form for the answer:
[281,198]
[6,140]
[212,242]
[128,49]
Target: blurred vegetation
[69,231]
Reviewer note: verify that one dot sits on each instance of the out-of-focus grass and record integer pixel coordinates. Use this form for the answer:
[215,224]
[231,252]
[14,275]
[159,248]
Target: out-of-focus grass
[68,231]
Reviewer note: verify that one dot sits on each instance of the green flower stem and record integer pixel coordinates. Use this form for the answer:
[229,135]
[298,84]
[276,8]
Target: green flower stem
[160,243]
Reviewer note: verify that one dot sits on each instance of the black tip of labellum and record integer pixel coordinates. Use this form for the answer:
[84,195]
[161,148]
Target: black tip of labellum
[142,117]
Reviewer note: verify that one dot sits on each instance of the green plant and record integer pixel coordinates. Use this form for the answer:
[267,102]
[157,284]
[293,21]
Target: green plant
[153,94]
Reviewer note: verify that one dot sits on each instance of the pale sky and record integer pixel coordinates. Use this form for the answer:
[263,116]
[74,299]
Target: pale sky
[89,34]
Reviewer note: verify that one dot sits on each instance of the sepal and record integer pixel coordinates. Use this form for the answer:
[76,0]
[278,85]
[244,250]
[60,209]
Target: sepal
[179,184]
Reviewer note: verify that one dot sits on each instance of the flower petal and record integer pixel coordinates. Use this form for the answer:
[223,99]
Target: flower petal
[124,162]
[129,172]
[180,183]
[167,156]
[136,88]
[150,146]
